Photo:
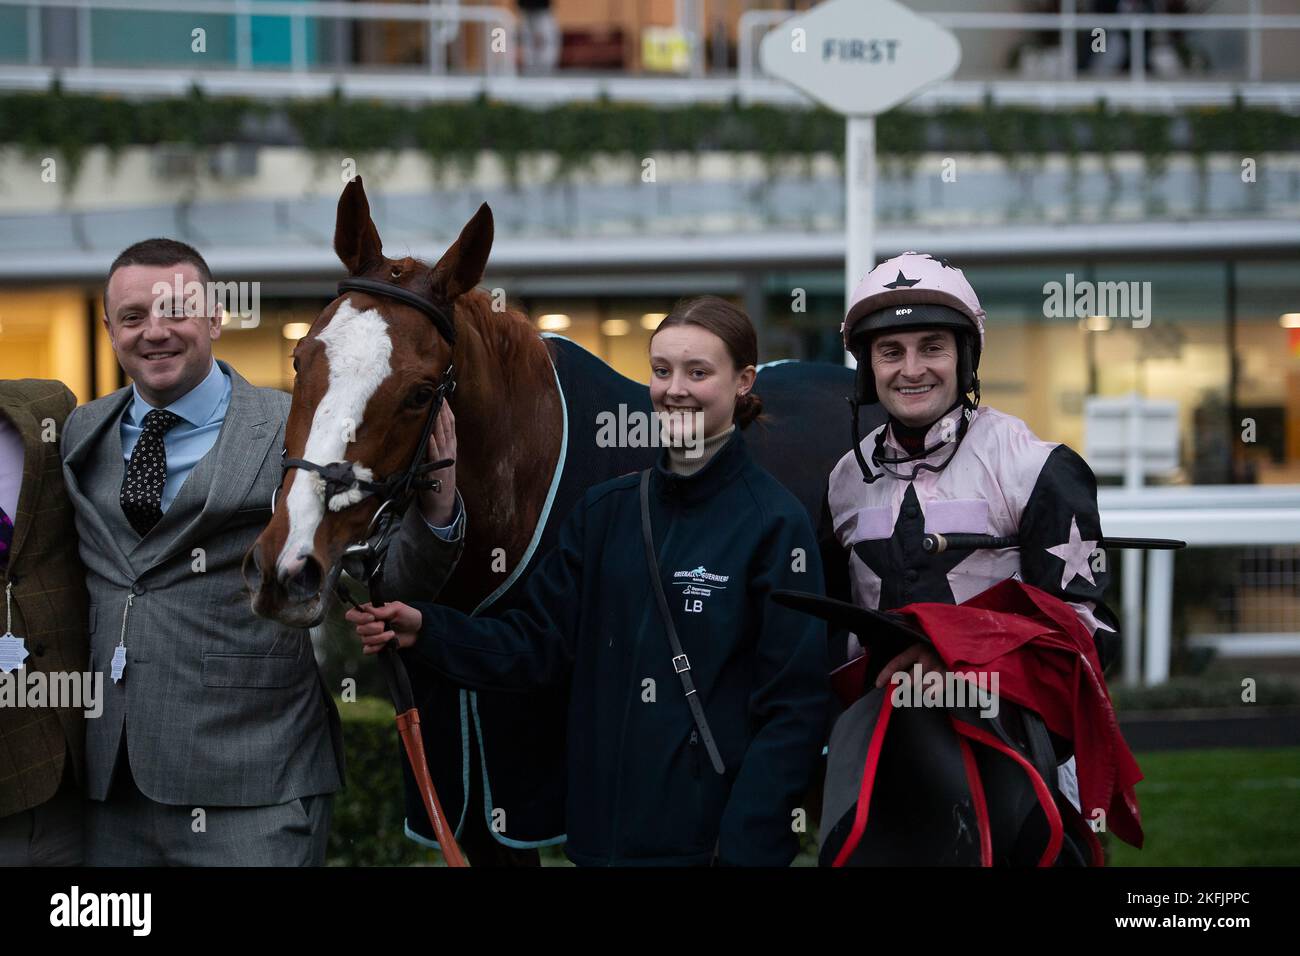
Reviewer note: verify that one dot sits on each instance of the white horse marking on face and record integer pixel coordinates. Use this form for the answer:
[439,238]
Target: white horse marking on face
[358,351]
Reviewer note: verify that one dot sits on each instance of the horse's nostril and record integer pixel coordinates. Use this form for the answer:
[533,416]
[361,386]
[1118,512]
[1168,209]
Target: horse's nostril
[304,584]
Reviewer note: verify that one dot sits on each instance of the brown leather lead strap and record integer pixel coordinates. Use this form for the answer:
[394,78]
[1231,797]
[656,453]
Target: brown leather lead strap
[408,728]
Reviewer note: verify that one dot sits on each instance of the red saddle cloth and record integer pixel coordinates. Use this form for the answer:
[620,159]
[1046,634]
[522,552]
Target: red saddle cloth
[1045,660]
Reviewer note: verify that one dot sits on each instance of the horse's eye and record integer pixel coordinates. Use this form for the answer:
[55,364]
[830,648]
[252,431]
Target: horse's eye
[421,396]
[396,272]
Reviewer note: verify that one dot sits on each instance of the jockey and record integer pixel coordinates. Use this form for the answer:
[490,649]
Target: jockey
[942,463]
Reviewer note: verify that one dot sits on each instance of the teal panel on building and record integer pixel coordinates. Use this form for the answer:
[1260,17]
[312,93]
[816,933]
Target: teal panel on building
[13,35]
[273,41]
[144,39]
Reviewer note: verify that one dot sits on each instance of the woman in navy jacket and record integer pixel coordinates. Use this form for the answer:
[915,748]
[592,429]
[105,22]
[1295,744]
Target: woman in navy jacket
[641,787]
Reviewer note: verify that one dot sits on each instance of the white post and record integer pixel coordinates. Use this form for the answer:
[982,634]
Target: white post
[1131,620]
[1133,441]
[859,204]
[84,38]
[1160,589]
[298,43]
[243,37]
[1138,54]
[437,47]
[1132,570]
[1069,66]
[35,53]
[1254,70]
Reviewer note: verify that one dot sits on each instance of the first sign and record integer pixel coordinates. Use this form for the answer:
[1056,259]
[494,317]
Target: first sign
[860,57]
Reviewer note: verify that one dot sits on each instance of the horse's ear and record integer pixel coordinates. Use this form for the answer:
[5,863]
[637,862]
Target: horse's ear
[356,240]
[461,267]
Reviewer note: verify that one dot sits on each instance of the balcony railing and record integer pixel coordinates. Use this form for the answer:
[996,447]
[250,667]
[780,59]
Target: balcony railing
[442,23]
[1069,23]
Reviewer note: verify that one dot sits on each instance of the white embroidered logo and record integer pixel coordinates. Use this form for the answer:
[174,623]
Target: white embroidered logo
[698,583]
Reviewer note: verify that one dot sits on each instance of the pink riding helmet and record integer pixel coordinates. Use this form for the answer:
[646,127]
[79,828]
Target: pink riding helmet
[909,280]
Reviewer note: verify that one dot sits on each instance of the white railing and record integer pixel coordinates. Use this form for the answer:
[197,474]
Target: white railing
[1205,516]
[499,76]
[1067,23]
[442,24]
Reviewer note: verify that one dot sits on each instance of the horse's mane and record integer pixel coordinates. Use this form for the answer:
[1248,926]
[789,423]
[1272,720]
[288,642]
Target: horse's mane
[509,337]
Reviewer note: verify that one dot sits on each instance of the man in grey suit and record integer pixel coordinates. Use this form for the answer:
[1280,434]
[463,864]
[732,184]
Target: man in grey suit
[218,743]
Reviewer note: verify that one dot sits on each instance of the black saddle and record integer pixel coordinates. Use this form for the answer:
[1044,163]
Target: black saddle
[951,786]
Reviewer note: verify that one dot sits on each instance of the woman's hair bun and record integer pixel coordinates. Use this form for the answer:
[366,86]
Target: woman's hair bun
[748,407]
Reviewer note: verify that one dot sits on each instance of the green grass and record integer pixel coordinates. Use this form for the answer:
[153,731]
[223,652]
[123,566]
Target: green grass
[1217,808]
[1199,808]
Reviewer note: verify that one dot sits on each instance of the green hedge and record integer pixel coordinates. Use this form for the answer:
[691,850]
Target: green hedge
[1203,692]
[368,814]
[451,134]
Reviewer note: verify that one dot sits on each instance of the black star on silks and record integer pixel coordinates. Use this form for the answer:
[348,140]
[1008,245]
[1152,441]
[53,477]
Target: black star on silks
[902,280]
[939,259]
[907,574]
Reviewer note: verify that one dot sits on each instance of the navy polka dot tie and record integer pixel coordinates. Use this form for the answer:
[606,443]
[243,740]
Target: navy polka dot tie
[146,472]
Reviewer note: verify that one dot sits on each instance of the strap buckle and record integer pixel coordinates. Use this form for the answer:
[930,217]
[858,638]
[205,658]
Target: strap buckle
[685,664]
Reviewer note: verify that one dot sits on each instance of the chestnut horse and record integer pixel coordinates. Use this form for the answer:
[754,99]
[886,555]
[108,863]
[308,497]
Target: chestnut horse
[367,373]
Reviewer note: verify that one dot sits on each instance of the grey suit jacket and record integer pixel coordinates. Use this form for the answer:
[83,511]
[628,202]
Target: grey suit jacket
[219,707]
[419,562]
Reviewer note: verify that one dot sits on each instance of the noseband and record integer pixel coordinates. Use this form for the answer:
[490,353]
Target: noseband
[394,492]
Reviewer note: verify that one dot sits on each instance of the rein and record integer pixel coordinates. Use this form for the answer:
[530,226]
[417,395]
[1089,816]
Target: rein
[364,560]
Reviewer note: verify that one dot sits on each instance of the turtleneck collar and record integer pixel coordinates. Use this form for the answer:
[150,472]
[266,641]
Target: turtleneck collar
[682,462]
[720,466]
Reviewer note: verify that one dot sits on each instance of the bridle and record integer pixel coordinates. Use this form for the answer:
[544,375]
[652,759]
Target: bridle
[364,560]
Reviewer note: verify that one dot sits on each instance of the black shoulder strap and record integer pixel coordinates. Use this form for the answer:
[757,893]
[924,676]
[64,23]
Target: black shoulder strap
[680,662]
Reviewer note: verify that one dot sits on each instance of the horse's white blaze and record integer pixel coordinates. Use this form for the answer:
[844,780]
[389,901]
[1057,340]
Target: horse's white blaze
[358,350]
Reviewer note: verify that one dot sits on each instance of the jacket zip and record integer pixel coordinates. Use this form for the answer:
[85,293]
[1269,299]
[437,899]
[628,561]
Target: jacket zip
[627,709]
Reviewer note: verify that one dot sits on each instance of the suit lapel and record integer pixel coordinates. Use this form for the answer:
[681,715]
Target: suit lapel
[224,475]
[95,418]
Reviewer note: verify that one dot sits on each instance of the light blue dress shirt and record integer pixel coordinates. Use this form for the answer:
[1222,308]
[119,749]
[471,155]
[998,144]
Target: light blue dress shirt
[202,410]
[453,530]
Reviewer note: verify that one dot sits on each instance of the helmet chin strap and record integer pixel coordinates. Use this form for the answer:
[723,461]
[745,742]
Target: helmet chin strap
[877,454]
